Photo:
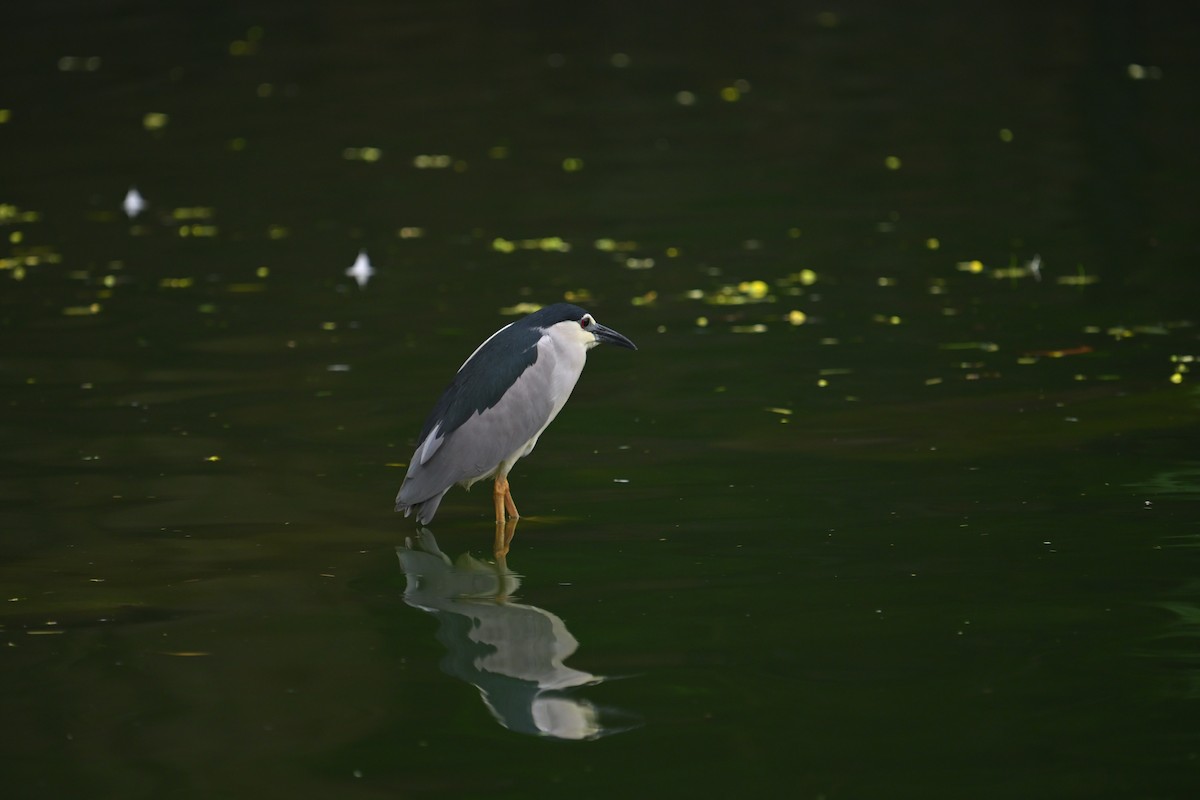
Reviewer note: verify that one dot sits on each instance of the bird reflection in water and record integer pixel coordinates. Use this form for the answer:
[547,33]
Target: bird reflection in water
[511,652]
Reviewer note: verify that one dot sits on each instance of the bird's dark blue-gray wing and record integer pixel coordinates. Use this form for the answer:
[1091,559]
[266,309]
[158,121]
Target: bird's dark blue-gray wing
[484,378]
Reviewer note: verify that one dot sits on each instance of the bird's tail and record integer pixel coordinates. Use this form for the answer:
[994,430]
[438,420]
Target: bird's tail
[425,508]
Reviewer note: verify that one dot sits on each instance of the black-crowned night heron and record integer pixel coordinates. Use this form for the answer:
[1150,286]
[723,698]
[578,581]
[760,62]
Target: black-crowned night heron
[498,404]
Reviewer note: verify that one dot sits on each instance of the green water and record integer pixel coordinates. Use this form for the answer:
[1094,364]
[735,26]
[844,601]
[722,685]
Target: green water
[898,497]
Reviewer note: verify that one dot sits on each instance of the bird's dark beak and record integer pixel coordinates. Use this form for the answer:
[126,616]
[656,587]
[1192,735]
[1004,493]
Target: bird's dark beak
[608,336]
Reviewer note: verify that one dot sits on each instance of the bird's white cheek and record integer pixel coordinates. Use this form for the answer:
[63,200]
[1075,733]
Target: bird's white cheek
[585,338]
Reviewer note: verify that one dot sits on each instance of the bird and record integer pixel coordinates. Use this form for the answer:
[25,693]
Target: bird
[500,401]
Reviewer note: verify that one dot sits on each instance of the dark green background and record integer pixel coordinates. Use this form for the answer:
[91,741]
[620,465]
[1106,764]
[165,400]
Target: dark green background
[966,566]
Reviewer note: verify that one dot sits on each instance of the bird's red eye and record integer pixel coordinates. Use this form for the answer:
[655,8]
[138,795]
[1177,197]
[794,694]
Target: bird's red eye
[583,323]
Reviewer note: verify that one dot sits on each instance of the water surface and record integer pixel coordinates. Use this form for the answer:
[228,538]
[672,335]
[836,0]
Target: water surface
[897,497]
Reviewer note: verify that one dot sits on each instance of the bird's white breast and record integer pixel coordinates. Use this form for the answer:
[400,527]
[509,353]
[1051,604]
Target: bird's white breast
[562,352]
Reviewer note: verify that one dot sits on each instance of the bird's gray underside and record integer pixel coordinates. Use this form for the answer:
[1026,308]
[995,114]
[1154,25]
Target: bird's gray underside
[479,445]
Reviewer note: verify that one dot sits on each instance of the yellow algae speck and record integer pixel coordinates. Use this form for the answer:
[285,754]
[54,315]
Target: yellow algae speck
[1080,279]
[262,272]
[175,283]
[730,94]
[932,381]
[646,299]
[192,212]
[552,243]
[503,245]
[892,162]
[973,266]
[1006,135]
[212,458]
[82,311]
[520,308]
[572,164]
[701,322]
[797,317]
[1010,272]
[787,412]
[411,232]
[370,155]
[607,245]
[277,232]
[437,161]
[933,243]
[756,328]
[672,252]
[329,326]
[755,289]
[1176,378]
[155,120]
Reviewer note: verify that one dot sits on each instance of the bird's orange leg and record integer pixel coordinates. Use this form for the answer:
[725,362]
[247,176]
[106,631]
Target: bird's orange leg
[502,498]
[499,493]
[509,505]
